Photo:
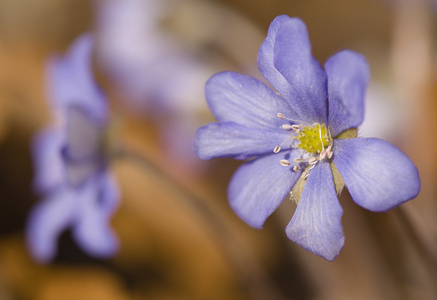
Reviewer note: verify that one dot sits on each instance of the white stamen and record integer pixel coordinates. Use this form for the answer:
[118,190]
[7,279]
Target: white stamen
[277,149]
[296,168]
[296,127]
[285,162]
[298,160]
[304,174]
[312,161]
[282,116]
[322,155]
[287,127]
[312,167]
[329,151]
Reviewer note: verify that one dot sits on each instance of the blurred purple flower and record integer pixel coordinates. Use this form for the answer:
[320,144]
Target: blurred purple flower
[294,135]
[159,76]
[71,162]
[156,71]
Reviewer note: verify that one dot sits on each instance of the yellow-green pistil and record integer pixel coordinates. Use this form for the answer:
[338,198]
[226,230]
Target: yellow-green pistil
[313,139]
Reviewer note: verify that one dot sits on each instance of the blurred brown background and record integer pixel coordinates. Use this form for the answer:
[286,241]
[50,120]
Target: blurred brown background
[171,249]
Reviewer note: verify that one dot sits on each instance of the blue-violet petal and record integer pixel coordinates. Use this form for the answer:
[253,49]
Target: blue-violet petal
[242,99]
[266,63]
[93,231]
[378,175]
[71,80]
[47,158]
[259,186]
[237,141]
[294,60]
[348,76]
[47,220]
[316,223]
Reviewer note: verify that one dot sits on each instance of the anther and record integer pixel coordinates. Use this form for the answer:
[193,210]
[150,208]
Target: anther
[287,127]
[312,161]
[305,174]
[277,149]
[296,127]
[281,116]
[285,162]
[329,151]
[296,168]
[322,154]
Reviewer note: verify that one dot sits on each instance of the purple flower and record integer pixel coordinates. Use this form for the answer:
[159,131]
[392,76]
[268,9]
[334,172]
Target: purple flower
[302,138]
[154,71]
[71,162]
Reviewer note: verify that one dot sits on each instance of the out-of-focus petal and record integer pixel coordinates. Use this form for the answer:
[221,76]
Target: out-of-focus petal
[83,152]
[78,173]
[377,174]
[71,81]
[49,166]
[84,135]
[259,186]
[348,76]
[237,141]
[93,230]
[233,97]
[294,60]
[316,224]
[47,220]
[109,195]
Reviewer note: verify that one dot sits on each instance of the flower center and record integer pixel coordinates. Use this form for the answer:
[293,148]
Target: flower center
[313,139]
[313,143]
